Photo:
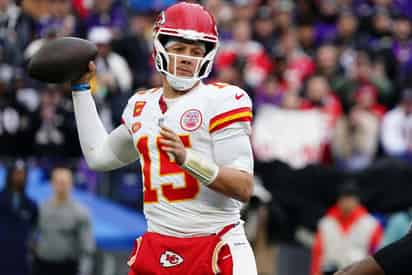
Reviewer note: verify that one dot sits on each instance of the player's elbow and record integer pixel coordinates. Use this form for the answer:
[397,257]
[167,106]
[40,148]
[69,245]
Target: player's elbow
[97,164]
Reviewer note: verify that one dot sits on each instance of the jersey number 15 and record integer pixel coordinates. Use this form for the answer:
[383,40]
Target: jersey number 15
[165,167]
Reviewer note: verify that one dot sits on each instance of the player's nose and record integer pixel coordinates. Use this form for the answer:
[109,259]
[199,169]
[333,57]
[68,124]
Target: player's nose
[186,61]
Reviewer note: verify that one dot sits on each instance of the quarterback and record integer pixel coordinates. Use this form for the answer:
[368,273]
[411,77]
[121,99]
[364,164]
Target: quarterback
[193,143]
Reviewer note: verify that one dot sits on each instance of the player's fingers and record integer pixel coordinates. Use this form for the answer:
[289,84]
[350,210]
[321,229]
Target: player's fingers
[167,142]
[92,67]
[168,149]
[168,135]
[167,130]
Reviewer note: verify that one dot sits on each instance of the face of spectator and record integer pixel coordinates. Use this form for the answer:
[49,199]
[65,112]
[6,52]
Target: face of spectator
[382,23]
[242,32]
[245,11]
[290,101]
[306,35]
[102,6]
[382,3]
[264,27]
[328,7]
[407,106]
[317,88]
[283,19]
[348,203]
[402,29]
[228,74]
[18,178]
[103,49]
[327,58]
[288,42]
[4,4]
[363,66]
[59,8]
[347,25]
[187,58]
[366,99]
[138,24]
[62,182]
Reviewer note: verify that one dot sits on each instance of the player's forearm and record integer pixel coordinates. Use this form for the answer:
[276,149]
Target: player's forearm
[94,139]
[233,183]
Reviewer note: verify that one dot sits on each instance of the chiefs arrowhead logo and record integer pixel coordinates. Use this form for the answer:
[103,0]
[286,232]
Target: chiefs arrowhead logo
[170,259]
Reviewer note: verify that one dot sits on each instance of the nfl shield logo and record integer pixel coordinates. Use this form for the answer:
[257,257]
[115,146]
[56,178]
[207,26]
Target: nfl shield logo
[191,120]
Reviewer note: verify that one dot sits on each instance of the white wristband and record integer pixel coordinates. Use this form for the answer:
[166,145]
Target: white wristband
[203,169]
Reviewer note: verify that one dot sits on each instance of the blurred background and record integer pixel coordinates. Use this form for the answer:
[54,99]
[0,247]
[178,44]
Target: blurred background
[331,85]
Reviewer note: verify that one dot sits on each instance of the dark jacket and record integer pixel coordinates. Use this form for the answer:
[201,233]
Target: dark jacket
[17,221]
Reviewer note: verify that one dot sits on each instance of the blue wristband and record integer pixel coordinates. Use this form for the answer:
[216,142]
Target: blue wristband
[80,87]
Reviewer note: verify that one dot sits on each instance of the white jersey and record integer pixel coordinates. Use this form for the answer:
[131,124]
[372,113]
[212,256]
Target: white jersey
[175,203]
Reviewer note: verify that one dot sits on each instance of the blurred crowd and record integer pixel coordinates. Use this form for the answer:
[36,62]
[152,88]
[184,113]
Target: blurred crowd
[349,60]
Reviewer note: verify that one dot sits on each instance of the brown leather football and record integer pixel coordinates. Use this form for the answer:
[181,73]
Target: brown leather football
[62,59]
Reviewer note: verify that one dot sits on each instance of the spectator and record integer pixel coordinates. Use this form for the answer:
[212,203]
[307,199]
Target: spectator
[56,136]
[249,52]
[113,71]
[306,37]
[135,49]
[299,66]
[325,27]
[396,133]
[16,31]
[18,218]
[346,234]
[264,29]
[356,136]
[109,14]
[379,40]
[269,93]
[17,125]
[319,96]
[113,82]
[65,245]
[327,64]
[347,27]
[403,7]
[60,18]
[365,70]
[402,49]
[283,15]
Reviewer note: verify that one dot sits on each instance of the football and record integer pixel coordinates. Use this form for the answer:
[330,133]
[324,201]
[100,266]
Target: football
[62,59]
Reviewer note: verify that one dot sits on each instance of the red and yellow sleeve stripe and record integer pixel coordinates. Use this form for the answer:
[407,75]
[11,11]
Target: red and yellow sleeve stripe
[222,120]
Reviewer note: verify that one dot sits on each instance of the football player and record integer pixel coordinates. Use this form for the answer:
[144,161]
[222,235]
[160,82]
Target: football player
[193,143]
[394,259]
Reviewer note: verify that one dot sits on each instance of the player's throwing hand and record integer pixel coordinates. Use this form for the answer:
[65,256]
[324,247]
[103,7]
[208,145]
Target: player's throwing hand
[85,79]
[171,143]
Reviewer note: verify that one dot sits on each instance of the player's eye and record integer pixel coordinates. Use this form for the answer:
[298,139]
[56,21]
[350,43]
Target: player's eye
[178,49]
[197,53]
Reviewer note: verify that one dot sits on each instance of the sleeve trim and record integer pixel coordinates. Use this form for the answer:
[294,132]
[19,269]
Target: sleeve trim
[222,120]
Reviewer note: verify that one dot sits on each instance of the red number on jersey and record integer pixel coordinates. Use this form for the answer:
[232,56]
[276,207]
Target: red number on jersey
[166,167]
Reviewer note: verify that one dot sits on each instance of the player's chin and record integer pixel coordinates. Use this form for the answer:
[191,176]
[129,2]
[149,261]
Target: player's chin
[182,73]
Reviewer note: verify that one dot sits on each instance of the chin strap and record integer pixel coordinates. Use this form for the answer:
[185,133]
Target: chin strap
[180,83]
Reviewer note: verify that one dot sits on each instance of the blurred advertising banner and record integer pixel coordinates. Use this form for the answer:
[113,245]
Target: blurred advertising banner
[295,137]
